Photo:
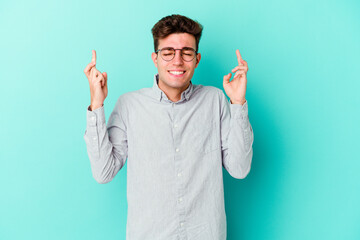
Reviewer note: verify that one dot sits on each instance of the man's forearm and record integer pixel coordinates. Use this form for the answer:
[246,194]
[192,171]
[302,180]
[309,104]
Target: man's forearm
[103,164]
[237,154]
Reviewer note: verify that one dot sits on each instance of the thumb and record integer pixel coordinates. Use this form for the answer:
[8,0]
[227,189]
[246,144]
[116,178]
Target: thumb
[227,78]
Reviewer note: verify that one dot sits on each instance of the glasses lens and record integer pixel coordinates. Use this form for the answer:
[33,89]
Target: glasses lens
[188,54]
[167,53]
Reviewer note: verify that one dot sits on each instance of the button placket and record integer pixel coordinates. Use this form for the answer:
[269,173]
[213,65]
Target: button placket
[178,158]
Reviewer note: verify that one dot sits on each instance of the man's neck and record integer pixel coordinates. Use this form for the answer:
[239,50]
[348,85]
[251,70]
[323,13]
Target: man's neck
[173,94]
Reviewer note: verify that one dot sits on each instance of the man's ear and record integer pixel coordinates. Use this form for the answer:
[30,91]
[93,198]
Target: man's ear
[198,57]
[154,58]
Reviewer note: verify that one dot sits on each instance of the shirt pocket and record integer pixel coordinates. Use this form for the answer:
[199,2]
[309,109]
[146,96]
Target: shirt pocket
[204,137]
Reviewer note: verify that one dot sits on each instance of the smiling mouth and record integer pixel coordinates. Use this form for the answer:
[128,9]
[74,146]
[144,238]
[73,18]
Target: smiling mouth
[177,73]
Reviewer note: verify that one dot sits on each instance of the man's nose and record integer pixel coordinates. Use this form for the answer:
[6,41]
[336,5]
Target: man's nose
[177,58]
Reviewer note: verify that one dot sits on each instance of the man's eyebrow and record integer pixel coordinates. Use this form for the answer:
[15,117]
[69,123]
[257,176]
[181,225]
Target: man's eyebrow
[182,48]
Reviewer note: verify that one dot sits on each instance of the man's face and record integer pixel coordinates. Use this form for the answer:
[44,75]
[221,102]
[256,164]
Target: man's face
[168,80]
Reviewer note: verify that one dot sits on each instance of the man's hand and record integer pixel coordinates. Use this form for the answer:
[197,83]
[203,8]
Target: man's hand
[236,89]
[97,82]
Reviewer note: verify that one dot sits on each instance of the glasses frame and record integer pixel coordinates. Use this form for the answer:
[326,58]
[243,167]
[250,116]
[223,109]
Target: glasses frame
[181,49]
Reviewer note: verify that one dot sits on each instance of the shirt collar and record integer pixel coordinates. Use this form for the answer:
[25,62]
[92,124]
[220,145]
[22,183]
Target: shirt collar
[158,93]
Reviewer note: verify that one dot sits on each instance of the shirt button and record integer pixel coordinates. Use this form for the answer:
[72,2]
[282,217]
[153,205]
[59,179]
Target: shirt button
[93,118]
[181,224]
[177,150]
[179,174]
[94,138]
[180,199]
[175,125]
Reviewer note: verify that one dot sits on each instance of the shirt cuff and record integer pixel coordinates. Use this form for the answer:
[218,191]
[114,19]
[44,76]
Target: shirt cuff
[95,117]
[239,111]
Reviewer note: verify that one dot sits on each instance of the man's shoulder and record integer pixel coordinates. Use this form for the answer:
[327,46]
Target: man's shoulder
[127,97]
[205,89]
[211,88]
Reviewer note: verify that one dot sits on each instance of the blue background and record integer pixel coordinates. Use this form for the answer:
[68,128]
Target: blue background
[303,84]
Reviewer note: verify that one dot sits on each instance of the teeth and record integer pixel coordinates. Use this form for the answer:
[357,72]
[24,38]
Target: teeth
[176,72]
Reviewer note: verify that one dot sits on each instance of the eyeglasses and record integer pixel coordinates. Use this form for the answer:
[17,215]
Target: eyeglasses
[168,53]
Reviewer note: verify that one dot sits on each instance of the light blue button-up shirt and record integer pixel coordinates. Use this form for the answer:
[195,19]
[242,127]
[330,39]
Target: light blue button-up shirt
[175,152]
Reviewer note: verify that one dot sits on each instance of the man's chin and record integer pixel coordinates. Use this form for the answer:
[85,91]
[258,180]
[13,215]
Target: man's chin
[177,84]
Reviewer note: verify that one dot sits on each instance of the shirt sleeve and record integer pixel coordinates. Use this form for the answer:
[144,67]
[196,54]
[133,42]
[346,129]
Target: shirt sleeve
[106,145]
[237,138]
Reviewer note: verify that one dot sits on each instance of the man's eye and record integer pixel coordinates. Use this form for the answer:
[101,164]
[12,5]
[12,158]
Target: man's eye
[189,53]
[167,54]
[168,51]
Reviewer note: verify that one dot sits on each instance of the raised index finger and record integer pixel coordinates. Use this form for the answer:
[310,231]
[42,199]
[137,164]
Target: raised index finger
[93,59]
[238,56]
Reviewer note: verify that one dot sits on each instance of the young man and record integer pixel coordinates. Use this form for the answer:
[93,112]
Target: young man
[176,137]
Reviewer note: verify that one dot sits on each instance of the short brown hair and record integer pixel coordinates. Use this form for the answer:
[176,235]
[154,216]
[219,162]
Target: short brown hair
[176,24]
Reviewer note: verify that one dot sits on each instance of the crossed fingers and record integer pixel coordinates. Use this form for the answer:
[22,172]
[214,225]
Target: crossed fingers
[92,73]
[92,64]
[242,68]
